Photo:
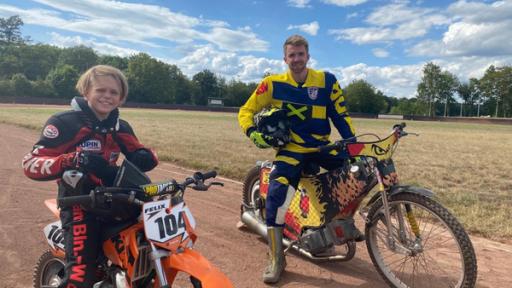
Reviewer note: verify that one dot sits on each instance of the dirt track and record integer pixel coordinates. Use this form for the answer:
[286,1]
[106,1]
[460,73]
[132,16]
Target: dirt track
[240,254]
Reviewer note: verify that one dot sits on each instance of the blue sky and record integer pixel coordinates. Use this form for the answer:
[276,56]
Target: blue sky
[384,42]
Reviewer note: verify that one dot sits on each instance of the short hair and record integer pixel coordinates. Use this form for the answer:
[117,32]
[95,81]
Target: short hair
[296,40]
[86,80]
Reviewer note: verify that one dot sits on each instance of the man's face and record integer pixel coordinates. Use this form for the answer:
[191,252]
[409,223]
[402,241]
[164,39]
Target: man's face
[296,57]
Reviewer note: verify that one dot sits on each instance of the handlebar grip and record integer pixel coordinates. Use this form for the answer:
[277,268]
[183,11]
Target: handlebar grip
[210,174]
[127,199]
[74,200]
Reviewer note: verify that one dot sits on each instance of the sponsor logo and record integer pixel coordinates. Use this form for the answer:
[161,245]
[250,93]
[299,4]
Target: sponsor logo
[262,88]
[91,145]
[153,189]
[152,211]
[50,131]
[313,93]
[113,156]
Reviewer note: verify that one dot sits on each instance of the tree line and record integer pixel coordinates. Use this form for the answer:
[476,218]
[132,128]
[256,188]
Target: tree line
[40,70]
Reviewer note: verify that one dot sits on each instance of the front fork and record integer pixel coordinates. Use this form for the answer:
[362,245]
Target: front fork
[156,257]
[402,235]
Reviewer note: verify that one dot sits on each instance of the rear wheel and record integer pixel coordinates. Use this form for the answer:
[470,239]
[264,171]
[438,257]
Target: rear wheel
[251,193]
[429,247]
[49,271]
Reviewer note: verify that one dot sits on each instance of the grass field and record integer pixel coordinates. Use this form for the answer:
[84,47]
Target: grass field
[468,166]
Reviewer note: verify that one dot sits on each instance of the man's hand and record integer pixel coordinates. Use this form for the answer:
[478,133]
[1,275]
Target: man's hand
[260,140]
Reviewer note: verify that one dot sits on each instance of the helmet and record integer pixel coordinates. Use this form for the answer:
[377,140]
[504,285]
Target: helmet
[273,122]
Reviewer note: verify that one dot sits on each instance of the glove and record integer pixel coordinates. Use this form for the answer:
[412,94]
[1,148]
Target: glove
[94,163]
[260,140]
[143,159]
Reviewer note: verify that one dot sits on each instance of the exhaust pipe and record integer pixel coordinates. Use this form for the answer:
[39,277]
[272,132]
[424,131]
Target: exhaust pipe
[249,219]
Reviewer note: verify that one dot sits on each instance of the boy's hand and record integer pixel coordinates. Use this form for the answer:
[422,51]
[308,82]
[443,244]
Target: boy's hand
[143,159]
[91,162]
[260,140]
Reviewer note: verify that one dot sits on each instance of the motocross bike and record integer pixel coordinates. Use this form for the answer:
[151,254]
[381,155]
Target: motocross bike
[146,251]
[413,241]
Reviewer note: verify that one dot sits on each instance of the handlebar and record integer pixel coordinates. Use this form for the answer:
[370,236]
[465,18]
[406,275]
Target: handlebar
[112,194]
[340,145]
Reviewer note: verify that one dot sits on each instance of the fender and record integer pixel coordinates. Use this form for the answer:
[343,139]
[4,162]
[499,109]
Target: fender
[52,205]
[397,189]
[194,264]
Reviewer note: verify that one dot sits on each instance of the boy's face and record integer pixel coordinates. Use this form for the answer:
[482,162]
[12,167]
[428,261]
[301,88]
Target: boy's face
[103,96]
[296,57]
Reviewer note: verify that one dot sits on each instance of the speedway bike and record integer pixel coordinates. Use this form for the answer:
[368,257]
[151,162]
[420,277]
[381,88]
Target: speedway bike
[412,240]
[147,251]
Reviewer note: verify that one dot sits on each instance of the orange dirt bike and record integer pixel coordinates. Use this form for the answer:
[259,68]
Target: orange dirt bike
[413,241]
[146,251]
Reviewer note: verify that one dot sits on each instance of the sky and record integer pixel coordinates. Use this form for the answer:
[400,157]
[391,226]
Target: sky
[386,43]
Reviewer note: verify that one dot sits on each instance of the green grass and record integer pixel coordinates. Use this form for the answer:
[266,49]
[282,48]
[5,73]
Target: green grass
[468,166]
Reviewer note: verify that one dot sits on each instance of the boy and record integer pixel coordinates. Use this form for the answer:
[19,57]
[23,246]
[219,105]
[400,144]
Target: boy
[90,137]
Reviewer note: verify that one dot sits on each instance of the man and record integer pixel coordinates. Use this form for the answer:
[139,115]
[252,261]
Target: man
[310,98]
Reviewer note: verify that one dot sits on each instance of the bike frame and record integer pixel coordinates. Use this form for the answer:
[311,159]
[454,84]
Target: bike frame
[166,263]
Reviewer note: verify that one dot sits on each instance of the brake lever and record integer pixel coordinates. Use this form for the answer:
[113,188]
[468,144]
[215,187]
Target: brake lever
[200,187]
[216,184]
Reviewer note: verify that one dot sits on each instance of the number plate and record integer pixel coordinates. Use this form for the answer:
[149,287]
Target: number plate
[163,223]
[54,235]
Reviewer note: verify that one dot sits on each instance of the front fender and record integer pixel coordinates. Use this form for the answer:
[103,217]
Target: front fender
[397,189]
[194,264]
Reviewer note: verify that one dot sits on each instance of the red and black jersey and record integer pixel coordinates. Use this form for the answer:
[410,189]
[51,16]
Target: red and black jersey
[79,130]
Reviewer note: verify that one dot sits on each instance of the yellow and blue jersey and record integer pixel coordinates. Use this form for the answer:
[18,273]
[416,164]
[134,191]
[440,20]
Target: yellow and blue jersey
[309,107]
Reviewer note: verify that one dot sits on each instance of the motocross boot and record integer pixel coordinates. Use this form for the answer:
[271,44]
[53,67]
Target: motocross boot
[276,260]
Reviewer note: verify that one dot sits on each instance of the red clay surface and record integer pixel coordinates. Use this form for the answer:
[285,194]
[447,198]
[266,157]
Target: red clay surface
[238,253]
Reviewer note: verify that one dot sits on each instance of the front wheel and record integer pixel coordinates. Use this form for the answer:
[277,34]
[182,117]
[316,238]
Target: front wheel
[49,271]
[427,247]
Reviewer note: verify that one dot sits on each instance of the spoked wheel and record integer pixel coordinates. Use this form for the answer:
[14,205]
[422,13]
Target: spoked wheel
[428,247]
[49,271]
[251,193]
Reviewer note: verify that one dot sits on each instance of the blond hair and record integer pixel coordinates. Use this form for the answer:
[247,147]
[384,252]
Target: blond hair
[86,80]
[296,40]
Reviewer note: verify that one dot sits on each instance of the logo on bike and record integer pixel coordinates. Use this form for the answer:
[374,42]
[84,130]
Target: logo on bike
[379,150]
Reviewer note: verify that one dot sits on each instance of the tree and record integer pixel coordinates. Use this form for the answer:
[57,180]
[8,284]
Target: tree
[238,92]
[436,86]
[470,94]
[406,106]
[80,57]
[36,61]
[361,96]
[496,88]
[428,88]
[22,86]
[447,85]
[63,80]
[10,32]
[181,86]
[149,80]
[120,63]
[206,84]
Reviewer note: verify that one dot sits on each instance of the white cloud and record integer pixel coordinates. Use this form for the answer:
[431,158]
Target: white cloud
[102,48]
[344,3]
[311,28]
[402,80]
[299,3]
[393,22]
[228,64]
[396,81]
[479,29]
[155,25]
[381,53]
